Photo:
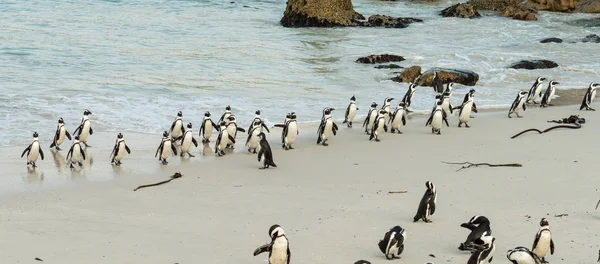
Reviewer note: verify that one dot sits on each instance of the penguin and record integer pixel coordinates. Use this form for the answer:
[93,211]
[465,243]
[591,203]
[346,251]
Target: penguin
[165,148]
[177,129]
[350,112]
[427,204]
[326,127]
[379,125]
[265,149]
[386,108]
[290,132]
[446,106]
[232,129]
[252,141]
[484,252]
[479,226]
[517,104]
[223,140]
[261,123]
[589,96]
[278,248]
[410,93]
[438,85]
[187,140]
[207,128]
[370,119]
[437,119]
[75,154]
[33,151]
[392,243]
[398,118]
[84,129]
[466,108]
[522,255]
[225,116]
[119,150]
[543,241]
[61,133]
[535,90]
[549,94]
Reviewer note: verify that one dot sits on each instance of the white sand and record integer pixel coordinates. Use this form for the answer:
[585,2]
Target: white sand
[331,201]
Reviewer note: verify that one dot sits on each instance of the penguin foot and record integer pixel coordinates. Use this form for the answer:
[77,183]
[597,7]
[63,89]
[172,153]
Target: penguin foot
[165,162]
[459,124]
[325,144]
[467,125]
[81,164]
[377,140]
[544,260]
[71,166]
[191,155]
[58,149]
[33,165]
[86,145]
[400,132]
[262,168]
[518,116]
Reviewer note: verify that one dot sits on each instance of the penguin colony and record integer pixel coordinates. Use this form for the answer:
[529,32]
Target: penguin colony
[479,242]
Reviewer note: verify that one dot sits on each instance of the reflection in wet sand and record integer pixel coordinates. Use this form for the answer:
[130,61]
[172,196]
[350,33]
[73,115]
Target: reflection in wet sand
[59,160]
[118,170]
[33,176]
[207,151]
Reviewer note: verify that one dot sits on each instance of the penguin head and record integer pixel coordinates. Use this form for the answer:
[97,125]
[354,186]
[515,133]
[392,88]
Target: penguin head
[522,93]
[374,105]
[479,219]
[544,222]
[262,135]
[387,100]
[207,114]
[594,85]
[257,112]
[327,111]
[439,102]
[165,134]
[472,91]
[275,230]
[552,83]
[401,105]
[293,115]
[119,136]
[35,134]
[450,86]
[231,118]
[353,99]
[257,122]
[76,138]
[541,79]
[382,112]
[228,108]
[179,114]
[86,112]
[60,120]
[430,186]
[189,125]
[438,96]
[223,124]
[412,86]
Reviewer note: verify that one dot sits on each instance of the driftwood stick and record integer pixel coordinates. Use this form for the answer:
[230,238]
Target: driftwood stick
[174,176]
[597,204]
[561,215]
[467,164]
[394,192]
[575,120]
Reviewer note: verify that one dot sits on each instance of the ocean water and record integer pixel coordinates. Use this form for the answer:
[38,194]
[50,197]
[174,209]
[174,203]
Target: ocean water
[135,63]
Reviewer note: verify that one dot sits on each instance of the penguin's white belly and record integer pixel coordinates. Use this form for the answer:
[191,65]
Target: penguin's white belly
[394,249]
[187,142]
[121,153]
[593,96]
[253,143]
[61,136]
[327,129]
[279,251]
[292,133]
[34,152]
[85,131]
[207,133]
[166,150]
[226,118]
[397,121]
[176,130]
[231,130]
[465,115]
[379,129]
[522,258]
[490,255]
[371,120]
[519,106]
[76,154]
[436,121]
[386,117]
[543,245]
[446,104]
[352,113]
[538,91]
[224,140]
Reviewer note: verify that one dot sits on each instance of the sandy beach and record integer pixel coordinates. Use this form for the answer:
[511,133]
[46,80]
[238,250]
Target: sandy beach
[333,202]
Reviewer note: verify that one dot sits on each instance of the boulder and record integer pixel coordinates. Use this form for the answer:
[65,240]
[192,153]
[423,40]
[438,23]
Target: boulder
[464,77]
[380,58]
[593,38]
[408,75]
[534,64]
[585,22]
[389,66]
[588,6]
[551,40]
[461,10]
[494,5]
[521,12]
[554,5]
[388,21]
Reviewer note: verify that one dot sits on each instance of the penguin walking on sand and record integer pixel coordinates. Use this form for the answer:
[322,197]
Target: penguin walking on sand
[398,118]
[350,112]
[265,150]
[408,96]
[484,252]
[522,255]
[33,151]
[225,116]
[466,108]
[278,248]
[252,142]
[427,204]
[543,241]
[84,129]
[177,129]
[261,123]
[187,141]
[233,128]
[379,126]
[392,244]
[535,90]
[60,134]
[437,119]
[589,96]
[549,94]
[370,119]
[479,226]
[223,140]
[386,107]
[119,150]
[75,154]
[290,132]
[207,128]
[326,128]
[446,95]
[165,148]
[518,104]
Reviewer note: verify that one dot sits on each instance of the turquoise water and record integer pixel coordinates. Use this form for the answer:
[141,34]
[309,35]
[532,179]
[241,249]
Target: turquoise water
[134,64]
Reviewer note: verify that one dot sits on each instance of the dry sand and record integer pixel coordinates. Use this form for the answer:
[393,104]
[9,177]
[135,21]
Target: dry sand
[333,202]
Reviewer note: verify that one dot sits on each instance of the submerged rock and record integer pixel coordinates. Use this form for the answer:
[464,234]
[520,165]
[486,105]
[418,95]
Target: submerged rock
[534,64]
[388,21]
[551,40]
[461,10]
[464,77]
[380,58]
[591,38]
[408,75]
[389,66]
[586,22]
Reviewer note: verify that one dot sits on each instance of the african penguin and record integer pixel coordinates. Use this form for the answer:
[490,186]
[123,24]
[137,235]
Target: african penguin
[278,248]
[438,85]
[119,150]
[225,116]
[165,148]
[466,108]
[392,243]
[60,134]
[207,127]
[518,104]
[75,154]
[33,151]
[350,112]
[177,129]
[253,140]
[370,119]
[485,247]
[543,241]
[437,119]
[326,128]
[410,93]
[470,94]
[549,94]
[84,129]
[290,132]
[386,107]
[398,118]
[479,226]
[446,95]
[535,90]
[522,255]
[427,204]
[232,129]
[589,96]
[187,141]
[261,123]
[223,140]
[265,150]
[379,125]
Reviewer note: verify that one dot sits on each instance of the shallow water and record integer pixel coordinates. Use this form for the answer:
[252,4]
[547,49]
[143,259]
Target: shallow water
[134,64]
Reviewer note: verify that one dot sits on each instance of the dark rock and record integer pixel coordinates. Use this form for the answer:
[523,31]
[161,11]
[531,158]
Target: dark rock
[461,10]
[593,38]
[554,5]
[521,12]
[551,40]
[388,21]
[408,75]
[534,64]
[588,6]
[389,66]
[464,77]
[585,22]
[380,58]
[494,5]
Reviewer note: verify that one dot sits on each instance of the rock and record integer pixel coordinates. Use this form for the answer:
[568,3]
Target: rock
[585,22]
[408,75]
[388,21]
[554,5]
[461,10]
[389,66]
[593,38]
[534,64]
[464,77]
[588,6]
[551,40]
[494,5]
[319,13]
[521,12]
[379,58]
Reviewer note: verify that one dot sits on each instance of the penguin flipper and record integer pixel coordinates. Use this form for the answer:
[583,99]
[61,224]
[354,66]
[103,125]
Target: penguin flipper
[265,126]
[82,152]
[289,253]
[77,129]
[260,153]
[127,148]
[263,248]
[431,206]
[159,148]
[26,150]
[524,107]
[114,150]
[215,126]
[173,125]
[279,125]
[195,142]
[53,144]
[91,130]
[429,121]
[551,247]
[403,120]
[173,148]
[41,153]
[232,139]
[67,134]
[240,129]
[248,139]
[69,153]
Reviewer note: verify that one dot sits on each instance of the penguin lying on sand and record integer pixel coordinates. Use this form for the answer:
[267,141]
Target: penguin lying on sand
[479,226]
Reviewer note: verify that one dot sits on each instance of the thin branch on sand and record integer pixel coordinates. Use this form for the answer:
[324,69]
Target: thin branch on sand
[597,204]
[574,119]
[561,215]
[393,192]
[467,164]
[174,176]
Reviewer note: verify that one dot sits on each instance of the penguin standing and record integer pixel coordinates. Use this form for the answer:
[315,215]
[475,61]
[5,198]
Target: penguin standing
[392,244]
[165,148]
[252,141]
[261,123]
[225,116]
[206,128]
[278,248]
[350,112]
[589,96]
[265,149]
[84,129]
[535,90]
[446,106]
[186,142]
[518,104]
[408,96]
[379,125]
[119,150]
[33,151]
[177,129]
[438,85]
[61,133]
[522,255]
[290,132]
[479,226]
[326,128]
[370,119]
[543,241]
[484,252]
[232,129]
[437,119]
[75,154]
[398,118]
[427,204]
[466,108]
[223,140]
[549,94]
[386,107]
